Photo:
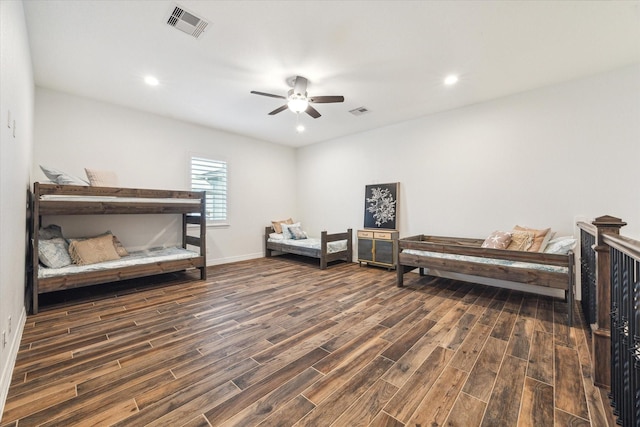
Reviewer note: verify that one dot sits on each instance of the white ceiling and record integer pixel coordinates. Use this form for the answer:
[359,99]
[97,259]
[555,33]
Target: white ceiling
[388,56]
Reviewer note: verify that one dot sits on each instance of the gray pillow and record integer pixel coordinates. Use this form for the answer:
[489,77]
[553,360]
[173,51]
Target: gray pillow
[50,232]
[62,178]
[54,253]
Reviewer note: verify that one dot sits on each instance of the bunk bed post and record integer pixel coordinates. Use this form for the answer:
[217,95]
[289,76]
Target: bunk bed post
[267,252]
[349,245]
[323,250]
[203,233]
[601,344]
[35,226]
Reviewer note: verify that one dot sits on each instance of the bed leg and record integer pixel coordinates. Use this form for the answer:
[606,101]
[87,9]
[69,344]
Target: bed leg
[399,276]
[203,273]
[421,271]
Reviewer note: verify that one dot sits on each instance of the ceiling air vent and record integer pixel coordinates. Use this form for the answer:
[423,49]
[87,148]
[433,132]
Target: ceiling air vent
[186,22]
[359,111]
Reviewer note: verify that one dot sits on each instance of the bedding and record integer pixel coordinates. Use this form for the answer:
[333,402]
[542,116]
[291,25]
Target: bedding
[490,261]
[313,243]
[134,258]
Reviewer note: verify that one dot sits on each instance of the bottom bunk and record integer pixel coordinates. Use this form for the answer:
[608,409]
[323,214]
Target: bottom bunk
[135,264]
[468,257]
[327,248]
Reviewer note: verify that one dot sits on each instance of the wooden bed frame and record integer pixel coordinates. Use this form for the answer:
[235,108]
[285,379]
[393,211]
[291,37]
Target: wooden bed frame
[192,211]
[472,247]
[321,253]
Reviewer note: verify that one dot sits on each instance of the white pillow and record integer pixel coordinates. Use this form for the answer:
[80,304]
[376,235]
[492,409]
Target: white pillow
[561,245]
[276,236]
[99,178]
[61,178]
[286,233]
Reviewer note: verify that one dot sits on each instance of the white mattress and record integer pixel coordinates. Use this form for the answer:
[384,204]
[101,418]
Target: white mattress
[491,261]
[313,243]
[134,258]
[111,199]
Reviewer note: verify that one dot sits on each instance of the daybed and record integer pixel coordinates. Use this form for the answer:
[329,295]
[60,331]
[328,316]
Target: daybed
[466,256]
[54,199]
[328,248]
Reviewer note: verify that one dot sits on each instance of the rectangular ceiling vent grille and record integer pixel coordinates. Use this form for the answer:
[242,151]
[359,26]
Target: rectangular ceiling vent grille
[359,111]
[187,22]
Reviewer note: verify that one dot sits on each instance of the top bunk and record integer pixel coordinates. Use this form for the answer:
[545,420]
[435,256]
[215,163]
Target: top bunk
[56,199]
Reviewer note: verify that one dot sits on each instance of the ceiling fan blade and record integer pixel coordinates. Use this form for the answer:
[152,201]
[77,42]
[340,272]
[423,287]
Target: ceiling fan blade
[300,85]
[326,99]
[278,110]
[268,94]
[312,112]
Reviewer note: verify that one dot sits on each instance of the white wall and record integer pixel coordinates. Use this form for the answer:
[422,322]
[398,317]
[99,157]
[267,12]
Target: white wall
[540,159]
[16,87]
[150,151]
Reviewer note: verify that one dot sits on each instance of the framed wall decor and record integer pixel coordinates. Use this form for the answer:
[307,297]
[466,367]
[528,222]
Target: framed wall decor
[381,205]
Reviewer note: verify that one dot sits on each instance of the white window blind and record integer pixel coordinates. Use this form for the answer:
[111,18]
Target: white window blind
[211,176]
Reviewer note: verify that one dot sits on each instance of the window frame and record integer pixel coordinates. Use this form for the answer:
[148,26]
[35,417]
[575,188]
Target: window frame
[211,222]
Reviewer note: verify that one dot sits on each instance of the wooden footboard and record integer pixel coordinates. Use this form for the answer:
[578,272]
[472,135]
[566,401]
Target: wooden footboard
[319,253]
[471,247]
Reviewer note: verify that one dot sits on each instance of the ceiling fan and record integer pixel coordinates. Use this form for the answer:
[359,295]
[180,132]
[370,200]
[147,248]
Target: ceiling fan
[297,99]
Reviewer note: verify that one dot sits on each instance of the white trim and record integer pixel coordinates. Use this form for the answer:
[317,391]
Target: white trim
[7,373]
[227,260]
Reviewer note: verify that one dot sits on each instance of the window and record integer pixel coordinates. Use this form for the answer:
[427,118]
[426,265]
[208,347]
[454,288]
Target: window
[211,176]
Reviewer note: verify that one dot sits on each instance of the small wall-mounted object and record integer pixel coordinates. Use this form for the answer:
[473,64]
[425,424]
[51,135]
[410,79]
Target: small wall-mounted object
[9,119]
[14,128]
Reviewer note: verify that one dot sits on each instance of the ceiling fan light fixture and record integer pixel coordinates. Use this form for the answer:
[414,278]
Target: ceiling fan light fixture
[297,103]
[451,79]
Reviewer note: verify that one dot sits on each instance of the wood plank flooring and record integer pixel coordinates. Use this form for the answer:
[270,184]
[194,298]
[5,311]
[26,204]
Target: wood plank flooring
[278,342]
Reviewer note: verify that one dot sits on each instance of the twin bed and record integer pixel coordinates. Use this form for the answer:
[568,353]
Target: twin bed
[466,256]
[328,248]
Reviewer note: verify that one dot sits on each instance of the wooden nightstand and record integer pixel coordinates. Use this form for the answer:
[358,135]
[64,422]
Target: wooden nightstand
[377,247]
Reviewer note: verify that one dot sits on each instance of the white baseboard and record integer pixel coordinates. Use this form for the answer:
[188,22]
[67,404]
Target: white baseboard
[228,260]
[7,370]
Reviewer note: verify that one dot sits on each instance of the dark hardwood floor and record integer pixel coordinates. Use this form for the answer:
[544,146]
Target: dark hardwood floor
[278,342]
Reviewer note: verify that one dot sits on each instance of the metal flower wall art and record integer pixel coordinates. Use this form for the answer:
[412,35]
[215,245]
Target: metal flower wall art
[381,206]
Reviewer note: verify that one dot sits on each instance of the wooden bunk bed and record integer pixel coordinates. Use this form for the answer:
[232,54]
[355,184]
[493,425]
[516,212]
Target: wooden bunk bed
[321,250]
[466,256]
[53,199]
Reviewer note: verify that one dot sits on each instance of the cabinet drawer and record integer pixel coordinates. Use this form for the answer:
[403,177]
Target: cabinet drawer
[366,234]
[382,235]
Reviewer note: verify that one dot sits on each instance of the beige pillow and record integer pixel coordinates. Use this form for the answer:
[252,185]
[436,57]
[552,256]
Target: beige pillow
[521,240]
[101,178]
[497,240]
[540,240]
[94,250]
[276,225]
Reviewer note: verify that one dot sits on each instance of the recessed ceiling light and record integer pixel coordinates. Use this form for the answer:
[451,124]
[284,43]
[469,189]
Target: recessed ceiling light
[151,81]
[451,80]
[300,128]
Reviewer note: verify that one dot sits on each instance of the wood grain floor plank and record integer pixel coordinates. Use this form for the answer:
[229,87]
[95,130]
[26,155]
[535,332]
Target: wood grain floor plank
[484,372]
[570,395]
[504,404]
[537,404]
[289,413]
[246,397]
[541,358]
[344,396]
[436,405]
[367,407]
[466,412]
[411,394]
[265,406]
